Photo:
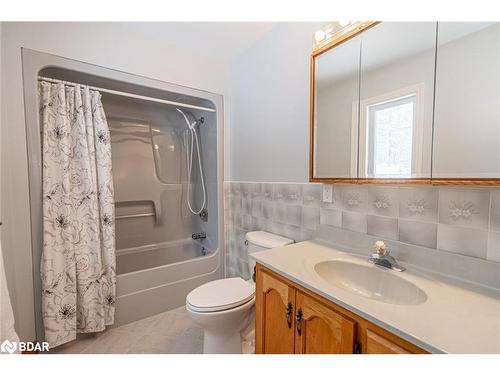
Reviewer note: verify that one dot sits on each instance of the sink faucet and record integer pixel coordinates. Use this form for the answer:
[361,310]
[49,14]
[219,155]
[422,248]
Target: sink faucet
[382,258]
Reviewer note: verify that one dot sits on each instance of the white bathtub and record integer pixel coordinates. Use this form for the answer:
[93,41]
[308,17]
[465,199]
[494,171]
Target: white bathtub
[154,279]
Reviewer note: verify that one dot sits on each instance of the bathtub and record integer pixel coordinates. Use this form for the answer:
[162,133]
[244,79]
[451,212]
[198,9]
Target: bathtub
[156,278]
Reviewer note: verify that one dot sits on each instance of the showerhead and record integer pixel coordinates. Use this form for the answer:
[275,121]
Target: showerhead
[199,121]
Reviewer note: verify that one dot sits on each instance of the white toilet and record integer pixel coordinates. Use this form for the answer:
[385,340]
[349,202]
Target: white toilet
[225,307]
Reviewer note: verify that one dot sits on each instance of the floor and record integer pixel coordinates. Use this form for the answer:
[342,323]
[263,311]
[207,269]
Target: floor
[171,332]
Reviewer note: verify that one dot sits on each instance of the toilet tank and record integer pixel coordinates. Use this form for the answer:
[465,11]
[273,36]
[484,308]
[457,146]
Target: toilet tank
[259,241]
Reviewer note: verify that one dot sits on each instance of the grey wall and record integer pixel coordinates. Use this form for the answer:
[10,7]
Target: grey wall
[270,106]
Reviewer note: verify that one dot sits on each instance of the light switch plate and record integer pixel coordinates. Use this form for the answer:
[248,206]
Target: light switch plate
[327,193]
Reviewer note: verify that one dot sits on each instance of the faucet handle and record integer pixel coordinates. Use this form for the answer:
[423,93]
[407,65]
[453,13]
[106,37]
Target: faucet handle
[380,248]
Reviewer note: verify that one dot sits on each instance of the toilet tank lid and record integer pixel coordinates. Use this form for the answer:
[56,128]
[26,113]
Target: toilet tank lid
[267,240]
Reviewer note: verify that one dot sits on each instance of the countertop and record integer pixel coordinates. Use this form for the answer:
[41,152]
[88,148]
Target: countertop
[456,317]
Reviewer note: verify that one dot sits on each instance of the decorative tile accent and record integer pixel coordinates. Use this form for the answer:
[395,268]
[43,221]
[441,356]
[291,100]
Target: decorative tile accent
[418,233]
[352,197]
[235,188]
[468,208]
[382,200]
[280,192]
[293,193]
[385,227]
[466,241]
[311,194]
[268,191]
[250,189]
[418,203]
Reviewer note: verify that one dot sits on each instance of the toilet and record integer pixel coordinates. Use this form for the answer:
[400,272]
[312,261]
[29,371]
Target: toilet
[225,307]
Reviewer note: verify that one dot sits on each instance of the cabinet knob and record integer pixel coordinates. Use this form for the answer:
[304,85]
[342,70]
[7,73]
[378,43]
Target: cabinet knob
[298,322]
[289,310]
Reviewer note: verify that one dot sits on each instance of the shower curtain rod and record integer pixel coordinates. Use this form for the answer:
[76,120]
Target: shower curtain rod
[129,95]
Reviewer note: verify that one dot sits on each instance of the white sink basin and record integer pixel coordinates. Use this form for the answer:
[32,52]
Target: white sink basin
[370,282]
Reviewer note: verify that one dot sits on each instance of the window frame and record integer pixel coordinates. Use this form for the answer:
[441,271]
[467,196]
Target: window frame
[417,91]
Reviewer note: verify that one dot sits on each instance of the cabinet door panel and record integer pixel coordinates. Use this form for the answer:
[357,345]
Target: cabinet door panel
[466,117]
[320,329]
[376,344]
[274,327]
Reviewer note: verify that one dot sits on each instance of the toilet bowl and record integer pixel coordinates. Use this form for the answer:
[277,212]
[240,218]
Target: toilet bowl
[225,307]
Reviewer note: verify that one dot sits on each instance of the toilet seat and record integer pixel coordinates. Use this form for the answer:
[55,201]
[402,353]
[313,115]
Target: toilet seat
[219,295]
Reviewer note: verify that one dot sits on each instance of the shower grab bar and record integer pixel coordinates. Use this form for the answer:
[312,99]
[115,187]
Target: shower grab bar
[127,94]
[134,215]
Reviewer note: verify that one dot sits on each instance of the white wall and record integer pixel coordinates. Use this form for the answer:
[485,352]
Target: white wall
[113,45]
[270,106]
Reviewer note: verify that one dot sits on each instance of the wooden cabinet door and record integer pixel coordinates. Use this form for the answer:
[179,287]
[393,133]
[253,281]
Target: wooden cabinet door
[320,329]
[376,344]
[274,313]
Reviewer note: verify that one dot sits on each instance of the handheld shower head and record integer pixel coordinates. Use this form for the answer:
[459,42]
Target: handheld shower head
[191,125]
[190,146]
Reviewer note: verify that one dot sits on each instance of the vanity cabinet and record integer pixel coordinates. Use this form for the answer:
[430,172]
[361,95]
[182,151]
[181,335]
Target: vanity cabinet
[293,320]
[377,344]
[320,329]
[276,299]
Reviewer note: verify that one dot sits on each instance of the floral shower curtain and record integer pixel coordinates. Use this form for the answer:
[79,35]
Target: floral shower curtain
[78,260]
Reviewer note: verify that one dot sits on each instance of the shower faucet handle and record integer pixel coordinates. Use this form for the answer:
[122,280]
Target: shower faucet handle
[199,236]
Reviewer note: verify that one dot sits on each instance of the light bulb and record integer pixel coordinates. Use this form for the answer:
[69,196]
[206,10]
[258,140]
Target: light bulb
[319,35]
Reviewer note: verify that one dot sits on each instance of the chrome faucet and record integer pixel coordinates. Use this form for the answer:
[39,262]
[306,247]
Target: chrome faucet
[382,258]
[199,236]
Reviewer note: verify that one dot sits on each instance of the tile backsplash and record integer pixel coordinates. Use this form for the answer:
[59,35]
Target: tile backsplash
[462,220]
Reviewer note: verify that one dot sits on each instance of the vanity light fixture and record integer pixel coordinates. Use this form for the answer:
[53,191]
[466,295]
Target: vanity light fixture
[319,36]
[324,35]
[344,23]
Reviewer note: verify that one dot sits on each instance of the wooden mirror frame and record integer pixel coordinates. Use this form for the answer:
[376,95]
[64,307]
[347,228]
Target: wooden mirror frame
[338,38]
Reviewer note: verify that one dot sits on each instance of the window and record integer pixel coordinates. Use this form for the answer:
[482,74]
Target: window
[390,133]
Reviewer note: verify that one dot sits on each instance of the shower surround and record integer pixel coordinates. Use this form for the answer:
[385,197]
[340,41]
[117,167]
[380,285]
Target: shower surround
[158,262]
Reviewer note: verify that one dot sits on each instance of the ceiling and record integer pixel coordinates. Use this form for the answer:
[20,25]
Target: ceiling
[222,40]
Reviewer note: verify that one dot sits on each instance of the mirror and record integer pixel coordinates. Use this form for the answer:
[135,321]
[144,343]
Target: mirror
[407,102]
[467,103]
[336,92]
[396,100]
[373,104]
